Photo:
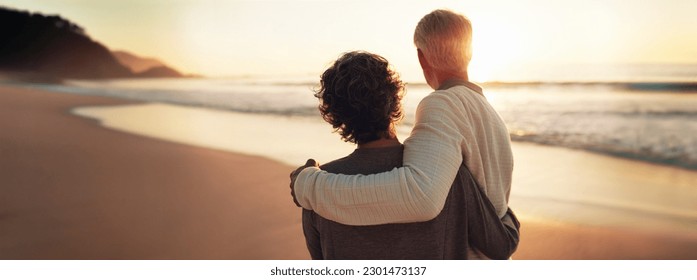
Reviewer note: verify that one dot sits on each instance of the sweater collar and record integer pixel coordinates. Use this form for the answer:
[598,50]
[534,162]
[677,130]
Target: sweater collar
[460,82]
[388,149]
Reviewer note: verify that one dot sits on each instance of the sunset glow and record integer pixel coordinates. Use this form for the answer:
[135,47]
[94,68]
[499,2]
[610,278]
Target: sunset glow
[231,38]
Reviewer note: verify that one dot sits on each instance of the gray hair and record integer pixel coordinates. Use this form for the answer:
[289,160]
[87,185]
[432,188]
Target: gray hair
[445,39]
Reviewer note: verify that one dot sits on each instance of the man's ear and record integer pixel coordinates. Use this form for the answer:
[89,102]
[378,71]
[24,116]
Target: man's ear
[426,68]
[422,59]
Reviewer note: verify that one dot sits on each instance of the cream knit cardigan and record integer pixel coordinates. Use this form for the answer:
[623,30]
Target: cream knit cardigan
[451,124]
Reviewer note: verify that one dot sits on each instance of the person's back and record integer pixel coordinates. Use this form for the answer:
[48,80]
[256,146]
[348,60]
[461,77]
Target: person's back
[444,237]
[485,145]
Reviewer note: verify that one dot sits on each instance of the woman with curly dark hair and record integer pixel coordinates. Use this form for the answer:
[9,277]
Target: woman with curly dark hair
[360,96]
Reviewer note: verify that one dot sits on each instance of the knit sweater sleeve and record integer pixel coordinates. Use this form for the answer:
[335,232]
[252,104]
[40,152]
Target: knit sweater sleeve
[412,193]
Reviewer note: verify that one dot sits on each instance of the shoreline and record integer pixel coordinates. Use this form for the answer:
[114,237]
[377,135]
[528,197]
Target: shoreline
[643,146]
[624,192]
[79,191]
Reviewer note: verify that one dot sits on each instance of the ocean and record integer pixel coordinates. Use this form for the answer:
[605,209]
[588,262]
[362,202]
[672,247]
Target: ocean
[646,113]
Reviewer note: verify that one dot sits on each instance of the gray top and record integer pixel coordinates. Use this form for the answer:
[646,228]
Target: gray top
[445,237]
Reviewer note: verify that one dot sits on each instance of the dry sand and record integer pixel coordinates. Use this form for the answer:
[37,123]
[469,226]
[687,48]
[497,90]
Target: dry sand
[546,240]
[70,189]
[73,190]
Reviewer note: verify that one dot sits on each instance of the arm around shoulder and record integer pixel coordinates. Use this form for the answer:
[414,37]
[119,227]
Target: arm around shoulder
[412,193]
[365,199]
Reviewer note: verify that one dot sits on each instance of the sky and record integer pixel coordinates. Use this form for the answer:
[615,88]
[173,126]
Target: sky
[296,38]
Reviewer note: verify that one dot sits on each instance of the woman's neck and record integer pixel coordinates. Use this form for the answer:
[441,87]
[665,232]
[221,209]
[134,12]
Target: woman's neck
[381,143]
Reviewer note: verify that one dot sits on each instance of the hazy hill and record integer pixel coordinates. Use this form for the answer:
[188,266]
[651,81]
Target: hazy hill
[144,66]
[136,63]
[54,47]
[159,72]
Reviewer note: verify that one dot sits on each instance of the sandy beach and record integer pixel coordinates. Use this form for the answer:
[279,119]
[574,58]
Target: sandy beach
[72,189]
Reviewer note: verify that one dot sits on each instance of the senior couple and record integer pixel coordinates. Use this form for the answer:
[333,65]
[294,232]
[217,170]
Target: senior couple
[443,194]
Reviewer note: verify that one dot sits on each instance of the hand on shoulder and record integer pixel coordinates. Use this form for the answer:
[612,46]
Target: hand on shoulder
[294,176]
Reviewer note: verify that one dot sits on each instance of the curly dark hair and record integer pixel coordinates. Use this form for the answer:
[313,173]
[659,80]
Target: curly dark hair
[360,96]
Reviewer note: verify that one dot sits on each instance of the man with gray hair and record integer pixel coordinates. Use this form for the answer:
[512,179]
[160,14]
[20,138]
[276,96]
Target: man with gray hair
[454,124]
